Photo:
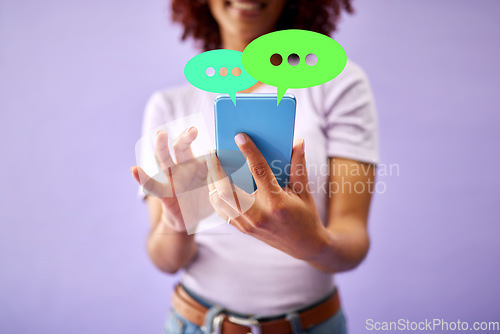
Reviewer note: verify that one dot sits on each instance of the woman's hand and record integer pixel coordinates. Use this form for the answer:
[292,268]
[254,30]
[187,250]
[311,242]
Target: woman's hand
[284,218]
[184,195]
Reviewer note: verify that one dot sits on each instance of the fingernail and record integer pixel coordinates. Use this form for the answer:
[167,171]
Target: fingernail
[240,139]
[158,132]
[189,129]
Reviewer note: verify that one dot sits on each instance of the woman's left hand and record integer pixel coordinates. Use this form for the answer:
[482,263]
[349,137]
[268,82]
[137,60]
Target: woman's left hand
[284,218]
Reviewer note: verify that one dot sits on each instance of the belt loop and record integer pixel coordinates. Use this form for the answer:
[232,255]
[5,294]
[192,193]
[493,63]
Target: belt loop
[212,312]
[293,318]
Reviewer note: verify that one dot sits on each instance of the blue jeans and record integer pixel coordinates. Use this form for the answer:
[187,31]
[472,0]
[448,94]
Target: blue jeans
[176,324]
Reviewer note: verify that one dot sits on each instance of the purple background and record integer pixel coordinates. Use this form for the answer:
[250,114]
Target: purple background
[74,78]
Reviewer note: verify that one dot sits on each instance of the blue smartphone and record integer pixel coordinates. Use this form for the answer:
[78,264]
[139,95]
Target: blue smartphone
[270,126]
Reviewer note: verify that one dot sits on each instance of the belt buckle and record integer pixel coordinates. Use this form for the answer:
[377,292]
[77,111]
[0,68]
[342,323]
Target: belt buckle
[217,323]
[253,323]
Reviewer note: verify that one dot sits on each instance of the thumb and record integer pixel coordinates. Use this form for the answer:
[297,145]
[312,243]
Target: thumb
[299,182]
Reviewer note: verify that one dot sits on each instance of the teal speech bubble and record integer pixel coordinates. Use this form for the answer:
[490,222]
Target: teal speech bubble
[219,71]
[294,58]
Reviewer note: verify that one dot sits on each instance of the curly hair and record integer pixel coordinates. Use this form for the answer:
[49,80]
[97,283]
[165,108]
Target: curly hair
[316,15]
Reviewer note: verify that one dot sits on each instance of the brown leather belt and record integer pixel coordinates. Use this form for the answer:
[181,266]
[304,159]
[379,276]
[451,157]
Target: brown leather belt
[194,312]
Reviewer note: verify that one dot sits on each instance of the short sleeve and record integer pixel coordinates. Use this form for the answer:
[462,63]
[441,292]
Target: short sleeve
[156,113]
[350,124]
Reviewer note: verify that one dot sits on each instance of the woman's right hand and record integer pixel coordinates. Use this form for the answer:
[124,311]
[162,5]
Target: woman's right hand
[184,195]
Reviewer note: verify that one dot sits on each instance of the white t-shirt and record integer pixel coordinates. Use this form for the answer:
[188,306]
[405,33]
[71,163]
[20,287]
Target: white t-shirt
[336,119]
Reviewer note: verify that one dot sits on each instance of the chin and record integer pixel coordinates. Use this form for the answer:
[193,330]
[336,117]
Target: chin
[250,18]
[246,19]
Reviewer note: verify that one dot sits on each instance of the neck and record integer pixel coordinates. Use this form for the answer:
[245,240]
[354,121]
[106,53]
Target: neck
[234,42]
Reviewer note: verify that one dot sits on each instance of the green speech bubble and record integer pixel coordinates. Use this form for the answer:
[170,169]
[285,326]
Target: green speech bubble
[206,70]
[268,59]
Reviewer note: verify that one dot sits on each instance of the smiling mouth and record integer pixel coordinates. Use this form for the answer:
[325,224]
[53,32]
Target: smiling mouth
[245,5]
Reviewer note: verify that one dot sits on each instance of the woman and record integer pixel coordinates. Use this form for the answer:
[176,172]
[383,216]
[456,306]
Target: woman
[270,270]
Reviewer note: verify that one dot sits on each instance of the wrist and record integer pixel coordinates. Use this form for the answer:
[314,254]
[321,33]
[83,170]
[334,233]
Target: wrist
[167,225]
[323,247]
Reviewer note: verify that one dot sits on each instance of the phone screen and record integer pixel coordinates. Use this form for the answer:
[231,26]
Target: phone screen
[270,126]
